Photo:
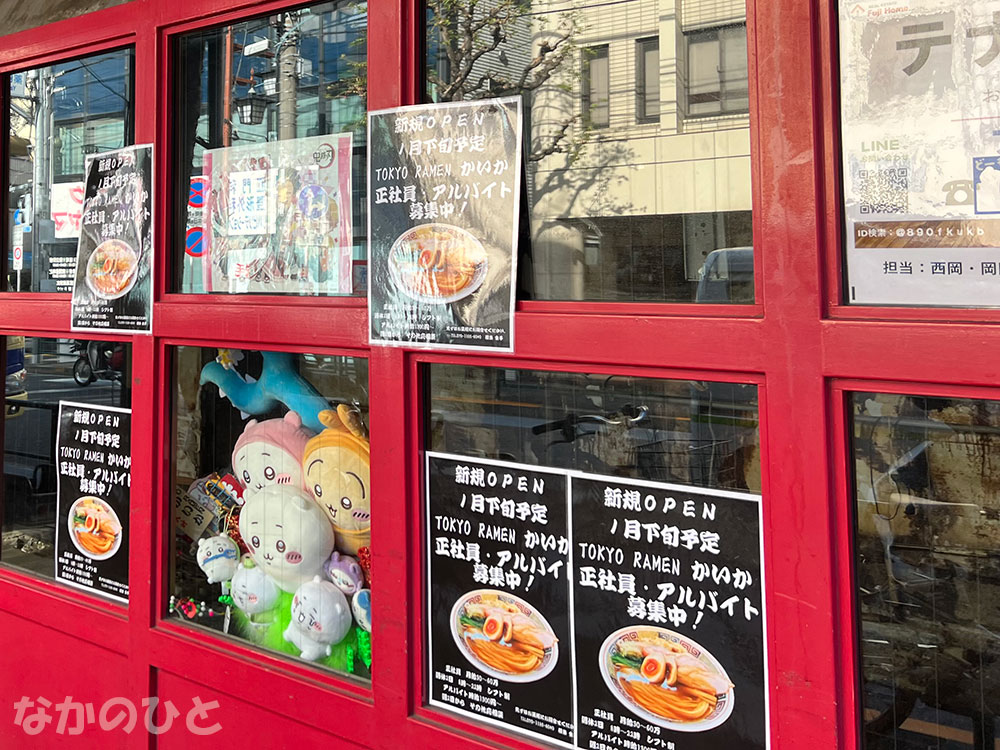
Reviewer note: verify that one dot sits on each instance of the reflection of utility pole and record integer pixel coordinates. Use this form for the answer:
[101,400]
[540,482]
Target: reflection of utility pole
[288,59]
[227,99]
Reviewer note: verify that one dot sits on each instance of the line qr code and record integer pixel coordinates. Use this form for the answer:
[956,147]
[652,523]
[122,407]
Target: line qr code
[884,191]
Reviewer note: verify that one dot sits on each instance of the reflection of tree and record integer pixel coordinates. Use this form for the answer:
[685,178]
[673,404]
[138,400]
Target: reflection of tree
[487,48]
[467,34]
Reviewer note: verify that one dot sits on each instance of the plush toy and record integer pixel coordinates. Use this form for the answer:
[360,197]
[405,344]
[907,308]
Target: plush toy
[218,557]
[338,474]
[269,452]
[361,605]
[279,383]
[252,591]
[345,573]
[320,617]
[289,536]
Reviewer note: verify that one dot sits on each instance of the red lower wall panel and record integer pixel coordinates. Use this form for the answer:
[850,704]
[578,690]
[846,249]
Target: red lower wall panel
[41,663]
[241,724]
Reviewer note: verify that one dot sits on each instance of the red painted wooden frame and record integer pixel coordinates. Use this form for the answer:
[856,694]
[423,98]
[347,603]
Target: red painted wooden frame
[799,343]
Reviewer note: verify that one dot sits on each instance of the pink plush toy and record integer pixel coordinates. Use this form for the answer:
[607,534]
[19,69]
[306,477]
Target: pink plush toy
[270,452]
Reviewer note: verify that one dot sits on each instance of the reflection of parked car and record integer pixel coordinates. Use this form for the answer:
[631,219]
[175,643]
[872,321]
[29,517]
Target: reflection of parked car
[727,276]
[17,376]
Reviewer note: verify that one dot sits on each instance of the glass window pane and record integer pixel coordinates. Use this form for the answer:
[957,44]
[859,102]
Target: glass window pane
[704,84]
[40,374]
[697,433]
[59,115]
[651,78]
[597,83]
[270,154]
[272,488]
[928,569]
[637,118]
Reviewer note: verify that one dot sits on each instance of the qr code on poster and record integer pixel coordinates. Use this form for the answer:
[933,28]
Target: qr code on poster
[884,191]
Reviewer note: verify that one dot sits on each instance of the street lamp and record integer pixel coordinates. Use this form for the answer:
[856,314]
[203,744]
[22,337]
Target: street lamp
[251,108]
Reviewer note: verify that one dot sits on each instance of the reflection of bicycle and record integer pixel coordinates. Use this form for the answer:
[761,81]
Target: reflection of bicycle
[615,442]
[97,360]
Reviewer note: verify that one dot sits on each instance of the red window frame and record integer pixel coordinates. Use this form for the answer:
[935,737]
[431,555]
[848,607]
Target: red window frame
[799,342]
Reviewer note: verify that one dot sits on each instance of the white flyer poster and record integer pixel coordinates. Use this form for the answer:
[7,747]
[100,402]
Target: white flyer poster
[920,109]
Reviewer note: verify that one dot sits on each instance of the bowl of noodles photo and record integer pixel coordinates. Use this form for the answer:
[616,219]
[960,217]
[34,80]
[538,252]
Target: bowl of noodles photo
[437,263]
[94,528]
[666,678]
[112,269]
[504,636]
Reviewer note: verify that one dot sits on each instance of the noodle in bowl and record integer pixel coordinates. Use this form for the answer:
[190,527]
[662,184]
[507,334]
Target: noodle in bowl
[112,269]
[666,678]
[437,263]
[94,528]
[503,636]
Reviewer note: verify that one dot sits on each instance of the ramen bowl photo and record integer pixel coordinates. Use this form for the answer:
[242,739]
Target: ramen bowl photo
[666,678]
[94,528]
[112,269]
[437,263]
[504,636]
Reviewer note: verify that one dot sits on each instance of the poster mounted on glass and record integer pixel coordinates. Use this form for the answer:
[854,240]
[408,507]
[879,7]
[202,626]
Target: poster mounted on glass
[443,215]
[93,498]
[276,217]
[920,110]
[112,289]
[583,609]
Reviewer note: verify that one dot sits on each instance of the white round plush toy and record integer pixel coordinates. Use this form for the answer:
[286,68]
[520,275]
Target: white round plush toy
[288,535]
[361,605]
[217,557]
[251,589]
[320,617]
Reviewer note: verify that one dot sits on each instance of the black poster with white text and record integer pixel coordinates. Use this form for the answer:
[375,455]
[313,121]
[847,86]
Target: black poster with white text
[443,211]
[113,288]
[94,480]
[595,612]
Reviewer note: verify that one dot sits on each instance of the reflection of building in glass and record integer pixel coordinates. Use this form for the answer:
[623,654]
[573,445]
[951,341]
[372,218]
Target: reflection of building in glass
[59,115]
[639,163]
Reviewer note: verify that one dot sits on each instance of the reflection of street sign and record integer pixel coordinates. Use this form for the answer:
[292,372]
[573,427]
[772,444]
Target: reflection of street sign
[196,196]
[17,85]
[17,249]
[256,47]
[194,242]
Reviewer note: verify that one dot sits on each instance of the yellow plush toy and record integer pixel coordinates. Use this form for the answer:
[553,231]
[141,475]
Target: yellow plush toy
[337,468]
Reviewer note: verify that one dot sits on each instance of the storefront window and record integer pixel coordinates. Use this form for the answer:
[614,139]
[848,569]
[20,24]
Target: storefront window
[59,115]
[272,511]
[270,153]
[634,120]
[593,556]
[927,474]
[41,374]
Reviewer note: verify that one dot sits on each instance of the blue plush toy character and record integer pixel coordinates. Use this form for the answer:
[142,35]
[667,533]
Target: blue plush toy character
[279,383]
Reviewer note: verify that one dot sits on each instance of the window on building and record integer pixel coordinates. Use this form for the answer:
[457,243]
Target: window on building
[596,87]
[272,514]
[59,115]
[270,154]
[717,81]
[647,80]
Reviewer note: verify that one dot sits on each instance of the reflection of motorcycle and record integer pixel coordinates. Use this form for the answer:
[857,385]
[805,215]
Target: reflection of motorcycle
[97,360]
